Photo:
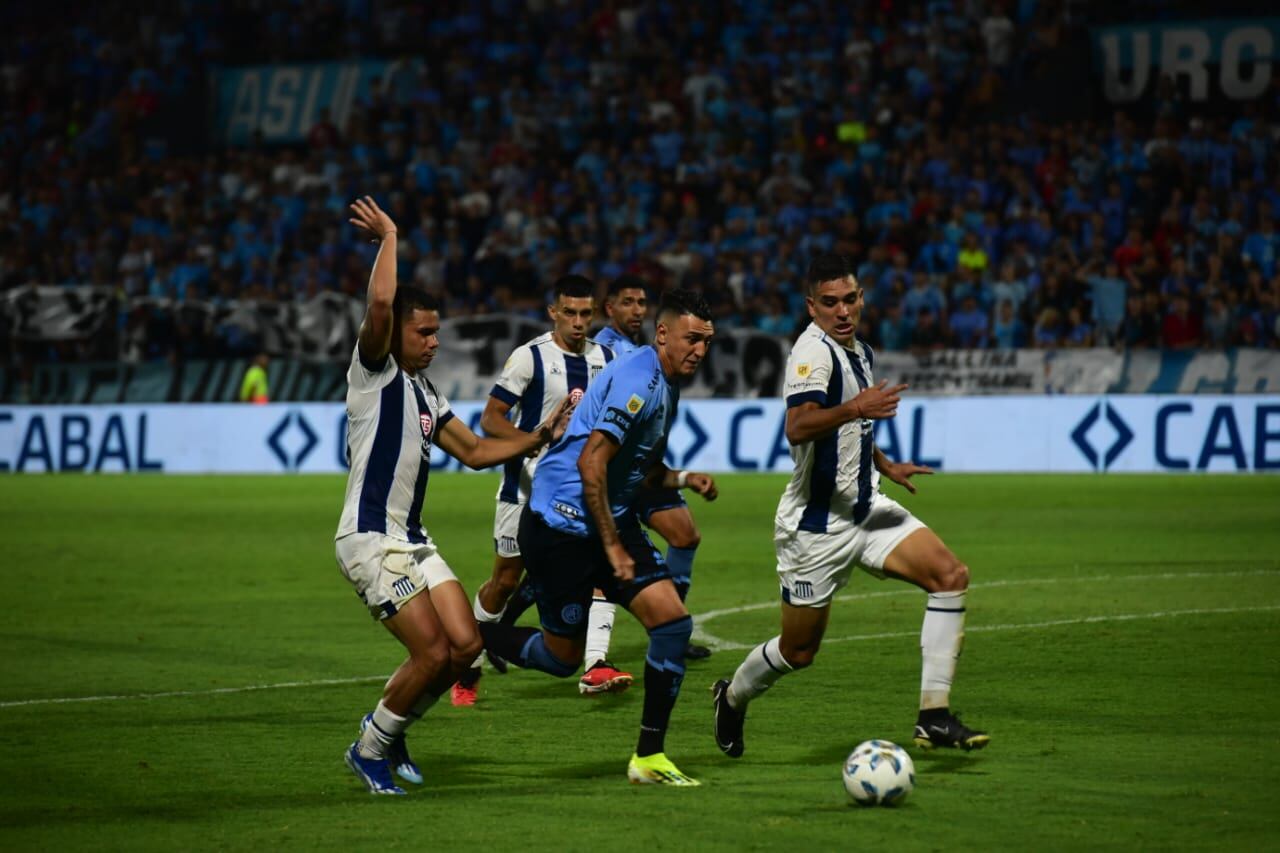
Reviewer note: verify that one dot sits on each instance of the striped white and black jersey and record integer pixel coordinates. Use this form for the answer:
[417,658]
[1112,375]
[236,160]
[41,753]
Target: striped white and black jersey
[537,376]
[835,477]
[392,419]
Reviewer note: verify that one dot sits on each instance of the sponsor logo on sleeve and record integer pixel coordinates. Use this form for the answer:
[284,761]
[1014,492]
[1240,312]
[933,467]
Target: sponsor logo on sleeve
[618,418]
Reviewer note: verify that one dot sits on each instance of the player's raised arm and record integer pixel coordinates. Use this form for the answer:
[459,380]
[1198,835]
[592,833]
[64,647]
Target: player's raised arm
[375,329]
[456,439]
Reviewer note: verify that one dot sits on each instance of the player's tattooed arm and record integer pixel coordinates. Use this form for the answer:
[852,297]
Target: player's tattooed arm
[593,467]
[810,421]
[899,472]
[375,330]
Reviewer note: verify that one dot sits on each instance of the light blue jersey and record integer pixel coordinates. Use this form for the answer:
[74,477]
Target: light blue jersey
[616,341]
[633,403]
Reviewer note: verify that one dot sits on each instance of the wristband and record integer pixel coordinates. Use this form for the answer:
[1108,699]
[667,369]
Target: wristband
[682,479]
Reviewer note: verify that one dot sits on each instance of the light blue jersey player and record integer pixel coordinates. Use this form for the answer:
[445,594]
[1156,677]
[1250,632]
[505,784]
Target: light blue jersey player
[537,376]
[580,529]
[662,510]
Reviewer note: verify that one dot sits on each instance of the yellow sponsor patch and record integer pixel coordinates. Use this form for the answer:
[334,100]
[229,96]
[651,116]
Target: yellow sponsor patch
[802,369]
[635,404]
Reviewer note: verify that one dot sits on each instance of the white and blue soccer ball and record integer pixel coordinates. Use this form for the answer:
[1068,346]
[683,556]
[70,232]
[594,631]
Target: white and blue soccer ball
[879,773]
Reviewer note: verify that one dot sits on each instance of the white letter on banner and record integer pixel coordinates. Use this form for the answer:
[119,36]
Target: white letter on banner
[1116,90]
[307,117]
[1185,52]
[1233,85]
[243,120]
[282,102]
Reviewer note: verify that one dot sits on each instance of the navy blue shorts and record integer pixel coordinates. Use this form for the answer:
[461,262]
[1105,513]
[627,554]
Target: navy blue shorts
[648,501]
[564,569]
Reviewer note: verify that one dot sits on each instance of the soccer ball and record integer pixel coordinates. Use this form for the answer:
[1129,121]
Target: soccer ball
[878,772]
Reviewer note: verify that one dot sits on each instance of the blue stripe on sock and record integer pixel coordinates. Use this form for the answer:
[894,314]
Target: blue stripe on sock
[764,652]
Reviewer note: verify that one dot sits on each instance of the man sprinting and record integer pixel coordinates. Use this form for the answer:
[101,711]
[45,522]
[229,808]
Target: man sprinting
[580,528]
[832,517]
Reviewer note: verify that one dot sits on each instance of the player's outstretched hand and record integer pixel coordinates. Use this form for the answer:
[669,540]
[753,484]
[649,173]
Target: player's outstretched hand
[878,401]
[558,421]
[370,217]
[900,473]
[703,484]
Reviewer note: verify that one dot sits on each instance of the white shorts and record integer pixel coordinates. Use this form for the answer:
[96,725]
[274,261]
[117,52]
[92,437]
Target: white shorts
[506,524]
[813,567]
[387,572]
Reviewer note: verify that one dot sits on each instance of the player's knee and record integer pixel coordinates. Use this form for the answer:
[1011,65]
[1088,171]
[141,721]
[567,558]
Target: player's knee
[688,538]
[953,575]
[559,667]
[799,655]
[669,640]
[429,658]
[468,650]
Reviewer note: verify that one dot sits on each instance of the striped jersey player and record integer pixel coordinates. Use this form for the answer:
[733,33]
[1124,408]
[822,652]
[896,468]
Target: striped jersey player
[832,518]
[394,414]
[540,373]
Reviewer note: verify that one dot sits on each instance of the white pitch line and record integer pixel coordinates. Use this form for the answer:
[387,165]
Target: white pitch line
[215,691]
[706,638]
[727,645]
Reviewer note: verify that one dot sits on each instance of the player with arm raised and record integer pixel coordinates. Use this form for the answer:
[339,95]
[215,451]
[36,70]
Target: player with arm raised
[580,528]
[832,517]
[662,510]
[536,377]
[394,414]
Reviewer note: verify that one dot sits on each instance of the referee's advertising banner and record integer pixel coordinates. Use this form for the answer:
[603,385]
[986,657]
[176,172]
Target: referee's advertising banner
[1078,433]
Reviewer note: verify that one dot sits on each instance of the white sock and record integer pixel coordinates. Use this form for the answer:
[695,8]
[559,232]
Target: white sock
[763,666]
[599,631]
[386,726]
[941,636]
[483,615]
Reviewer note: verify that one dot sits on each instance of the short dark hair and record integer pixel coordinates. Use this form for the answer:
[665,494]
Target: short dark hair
[409,299]
[574,286]
[827,266]
[679,302]
[626,281]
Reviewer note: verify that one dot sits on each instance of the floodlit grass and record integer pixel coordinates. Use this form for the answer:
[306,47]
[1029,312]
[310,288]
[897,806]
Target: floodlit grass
[1123,650]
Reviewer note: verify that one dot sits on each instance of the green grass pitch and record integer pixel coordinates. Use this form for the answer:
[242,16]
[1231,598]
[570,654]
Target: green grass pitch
[1122,649]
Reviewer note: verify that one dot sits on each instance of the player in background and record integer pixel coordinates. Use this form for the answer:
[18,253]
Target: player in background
[536,377]
[832,517]
[662,510]
[394,414]
[580,528]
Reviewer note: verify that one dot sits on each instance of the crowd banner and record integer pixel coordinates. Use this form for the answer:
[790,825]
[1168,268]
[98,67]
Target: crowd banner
[283,102]
[1221,59]
[1039,433]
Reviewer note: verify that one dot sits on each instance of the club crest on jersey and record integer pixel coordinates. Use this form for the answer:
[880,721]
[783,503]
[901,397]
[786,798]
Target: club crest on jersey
[802,369]
[425,420]
[635,404]
[575,396]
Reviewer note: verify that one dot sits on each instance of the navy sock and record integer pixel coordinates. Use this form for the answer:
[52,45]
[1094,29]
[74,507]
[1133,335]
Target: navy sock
[521,600]
[524,647]
[680,561]
[663,672]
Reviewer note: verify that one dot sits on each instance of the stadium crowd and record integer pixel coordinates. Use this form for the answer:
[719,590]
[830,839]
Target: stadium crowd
[714,146]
